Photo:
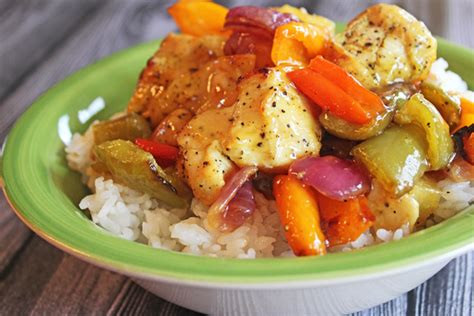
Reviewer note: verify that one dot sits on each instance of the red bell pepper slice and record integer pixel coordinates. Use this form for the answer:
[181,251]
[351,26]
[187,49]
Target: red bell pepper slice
[164,154]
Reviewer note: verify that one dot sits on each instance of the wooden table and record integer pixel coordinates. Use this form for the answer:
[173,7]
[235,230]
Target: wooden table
[41,42]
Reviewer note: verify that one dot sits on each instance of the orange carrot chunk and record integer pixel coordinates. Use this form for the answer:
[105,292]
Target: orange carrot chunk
[344,221]
[329,96]
[335,90]
[199,17]
[299,215]
[469,148]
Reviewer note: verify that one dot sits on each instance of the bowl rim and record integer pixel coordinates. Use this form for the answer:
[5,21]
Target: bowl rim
[227,284]
[453,236]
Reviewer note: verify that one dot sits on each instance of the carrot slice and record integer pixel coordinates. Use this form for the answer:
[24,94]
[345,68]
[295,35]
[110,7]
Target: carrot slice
[329,96]
[344,221]
[467,114]
[299,215]
[199,17]
[469,148]
[370,101]
[295,43]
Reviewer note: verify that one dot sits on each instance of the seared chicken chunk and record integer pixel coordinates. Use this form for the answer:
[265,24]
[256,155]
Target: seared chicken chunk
[167,131]
[191,73]
[269,126]
[272,124]
[177,54]
[390,212]
[204,165]
[384,44]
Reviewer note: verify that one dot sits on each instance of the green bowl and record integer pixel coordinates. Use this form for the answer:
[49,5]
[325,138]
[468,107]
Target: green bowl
[45,193]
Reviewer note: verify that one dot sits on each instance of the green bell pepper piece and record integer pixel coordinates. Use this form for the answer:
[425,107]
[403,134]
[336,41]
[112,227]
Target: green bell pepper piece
[127,127]
[137,169]
[396,158]
[421,112]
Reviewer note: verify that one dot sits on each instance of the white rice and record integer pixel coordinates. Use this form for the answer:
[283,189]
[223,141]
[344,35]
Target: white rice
[446,79]
[135,216]
[79,149]
[455,196]
[117,208]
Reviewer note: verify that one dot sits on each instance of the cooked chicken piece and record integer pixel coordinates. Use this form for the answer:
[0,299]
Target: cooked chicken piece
[178,54]
[204,165]
[391,213]
[269,126]
[272,124]
[167,131]
[191,73]
[384,44]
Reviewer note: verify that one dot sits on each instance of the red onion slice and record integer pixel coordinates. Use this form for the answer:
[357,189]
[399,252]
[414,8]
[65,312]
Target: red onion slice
[239,209]
[336,178]
[227,193]
[253,29]
[250,43]
[257,20]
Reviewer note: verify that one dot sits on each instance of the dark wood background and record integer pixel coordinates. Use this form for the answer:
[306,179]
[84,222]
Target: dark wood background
[41,42]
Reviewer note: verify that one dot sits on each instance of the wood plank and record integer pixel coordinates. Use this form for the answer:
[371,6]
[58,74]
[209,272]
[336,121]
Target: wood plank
[29,34]
[113,27]
[13,236]
[394,307]
[449,292]
[75,282]
[24,282]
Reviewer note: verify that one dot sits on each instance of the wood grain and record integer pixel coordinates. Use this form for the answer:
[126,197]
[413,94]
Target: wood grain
[44,41]
[26,279]
[452,284]
[39,30]
[13,234]
[80,282]
[111,28]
